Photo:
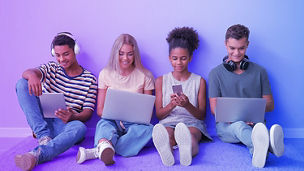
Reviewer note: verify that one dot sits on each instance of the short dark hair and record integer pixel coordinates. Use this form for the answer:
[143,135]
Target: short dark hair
[184,37]
[63,39]
[237,32]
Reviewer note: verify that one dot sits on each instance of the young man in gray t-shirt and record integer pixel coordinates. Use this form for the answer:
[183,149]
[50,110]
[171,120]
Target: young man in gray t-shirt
[238,77]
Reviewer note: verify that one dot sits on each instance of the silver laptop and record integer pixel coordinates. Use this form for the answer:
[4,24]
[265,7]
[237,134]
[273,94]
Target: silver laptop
[128,106]
[230,109]
[50,102]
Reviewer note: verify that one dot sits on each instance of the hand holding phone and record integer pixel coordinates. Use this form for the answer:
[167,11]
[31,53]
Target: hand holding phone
[177,89]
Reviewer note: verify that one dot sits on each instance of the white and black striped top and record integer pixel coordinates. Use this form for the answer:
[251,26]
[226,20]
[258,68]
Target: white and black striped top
[80,91]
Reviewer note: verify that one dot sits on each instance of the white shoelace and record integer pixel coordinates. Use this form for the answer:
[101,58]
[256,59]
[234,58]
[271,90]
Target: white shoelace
[91,153]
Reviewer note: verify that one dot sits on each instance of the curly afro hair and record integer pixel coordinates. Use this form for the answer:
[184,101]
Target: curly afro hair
[237,32]
[185,37]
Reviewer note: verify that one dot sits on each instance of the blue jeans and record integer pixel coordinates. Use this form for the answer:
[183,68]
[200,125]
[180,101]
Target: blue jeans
[235,132]
[63,135]
[127,142]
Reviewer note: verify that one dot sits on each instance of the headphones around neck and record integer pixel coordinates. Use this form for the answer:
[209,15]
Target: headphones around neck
[231,66]
[76,47]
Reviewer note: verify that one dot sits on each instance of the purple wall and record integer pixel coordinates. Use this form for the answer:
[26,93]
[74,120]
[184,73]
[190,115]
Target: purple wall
[27,28]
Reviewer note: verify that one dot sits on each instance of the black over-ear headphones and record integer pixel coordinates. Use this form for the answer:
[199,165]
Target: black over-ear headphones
[231,66]
[76,47]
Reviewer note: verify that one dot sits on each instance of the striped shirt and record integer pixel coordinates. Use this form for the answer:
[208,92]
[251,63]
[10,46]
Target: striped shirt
[80,91]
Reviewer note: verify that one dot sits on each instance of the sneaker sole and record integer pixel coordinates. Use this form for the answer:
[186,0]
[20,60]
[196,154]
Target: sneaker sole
[184,142]
[277,140]
[107,156]
[80,155]
[161,141]
[260,141]
[25,161]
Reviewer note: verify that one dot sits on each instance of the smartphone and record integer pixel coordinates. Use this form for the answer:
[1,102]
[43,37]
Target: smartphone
[177,89]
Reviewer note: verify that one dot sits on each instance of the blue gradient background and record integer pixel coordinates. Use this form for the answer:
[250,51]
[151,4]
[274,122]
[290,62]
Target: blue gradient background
[27,28]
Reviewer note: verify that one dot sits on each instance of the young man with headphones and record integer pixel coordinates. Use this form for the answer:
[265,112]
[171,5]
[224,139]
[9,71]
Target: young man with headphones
[239,77]
[56,135]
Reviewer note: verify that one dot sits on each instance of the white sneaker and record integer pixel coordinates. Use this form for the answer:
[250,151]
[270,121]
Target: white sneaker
[161,141]
[276,140]
[27,161]
[85,154]
[105,152]
[44,140]
[184,142]
[260,141]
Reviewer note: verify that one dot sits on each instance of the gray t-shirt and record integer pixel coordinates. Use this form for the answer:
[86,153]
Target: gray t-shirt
[253,83]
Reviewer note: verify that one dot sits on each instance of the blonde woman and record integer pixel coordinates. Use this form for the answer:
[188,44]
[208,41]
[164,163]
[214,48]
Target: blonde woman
[124,72]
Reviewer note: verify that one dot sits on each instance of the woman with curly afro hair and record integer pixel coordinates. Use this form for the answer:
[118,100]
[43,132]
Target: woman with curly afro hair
[180,102]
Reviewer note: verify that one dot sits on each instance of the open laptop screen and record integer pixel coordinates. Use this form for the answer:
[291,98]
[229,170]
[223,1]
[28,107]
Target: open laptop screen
[230,109]
[128,106]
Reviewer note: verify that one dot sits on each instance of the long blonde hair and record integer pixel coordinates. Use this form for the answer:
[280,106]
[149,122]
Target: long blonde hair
[113,63]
